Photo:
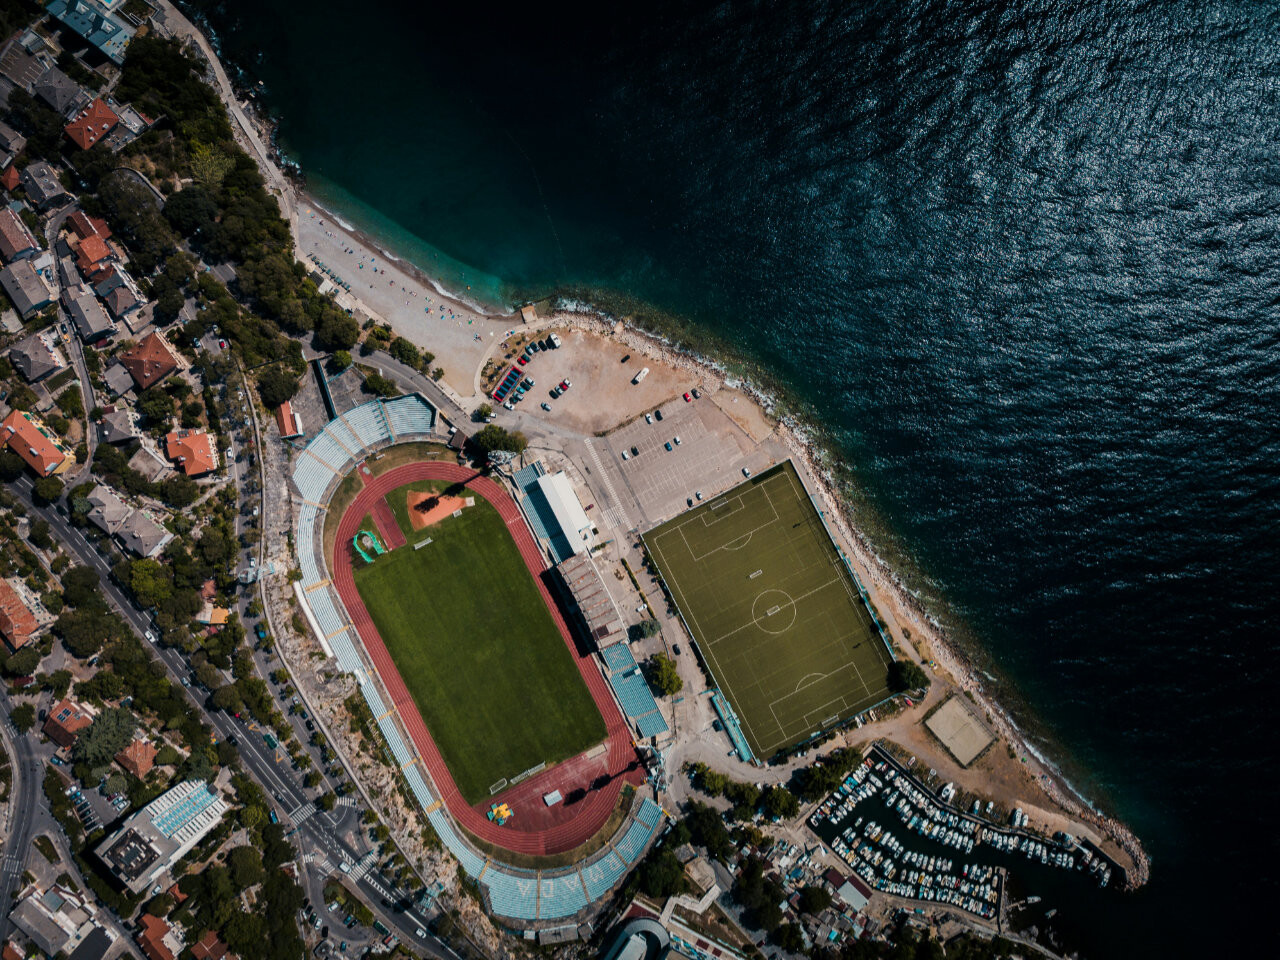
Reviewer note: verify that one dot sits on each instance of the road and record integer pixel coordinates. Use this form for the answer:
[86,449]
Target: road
[330,839]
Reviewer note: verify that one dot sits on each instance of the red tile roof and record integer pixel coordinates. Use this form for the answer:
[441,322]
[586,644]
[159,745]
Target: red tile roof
[138,758]
[92,251]
[151,938]
[150,361]
[210,947]
[192,451]
[17,623]
[10,952]
[83,225]
[285,421]
[33,442]
[92,124]
[65,722]
[10,178]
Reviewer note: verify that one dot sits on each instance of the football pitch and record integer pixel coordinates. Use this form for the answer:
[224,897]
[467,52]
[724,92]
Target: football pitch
[470,634]
[773,609]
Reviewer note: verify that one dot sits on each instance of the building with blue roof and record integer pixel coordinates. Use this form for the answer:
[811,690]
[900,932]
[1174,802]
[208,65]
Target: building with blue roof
[99,22]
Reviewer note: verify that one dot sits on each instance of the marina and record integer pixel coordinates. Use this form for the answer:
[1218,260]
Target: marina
[908,841]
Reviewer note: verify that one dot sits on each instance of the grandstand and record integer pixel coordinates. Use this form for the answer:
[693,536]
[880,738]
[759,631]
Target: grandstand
[512,894]
[632,690]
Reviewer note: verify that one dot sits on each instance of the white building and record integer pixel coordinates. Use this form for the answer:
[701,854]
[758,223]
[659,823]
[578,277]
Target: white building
[567,509]
[161,833]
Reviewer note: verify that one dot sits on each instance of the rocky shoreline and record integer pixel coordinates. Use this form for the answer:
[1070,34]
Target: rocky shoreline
[950,658]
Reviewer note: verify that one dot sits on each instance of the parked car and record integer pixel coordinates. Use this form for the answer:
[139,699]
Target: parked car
[648,418]
[523,361]
[657,414]
[546,406]
[677,440]
[626,455]
[746,472]
[696,394]
[667,445]
[687,398]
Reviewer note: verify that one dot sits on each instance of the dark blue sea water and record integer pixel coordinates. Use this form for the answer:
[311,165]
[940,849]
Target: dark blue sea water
[1022,262]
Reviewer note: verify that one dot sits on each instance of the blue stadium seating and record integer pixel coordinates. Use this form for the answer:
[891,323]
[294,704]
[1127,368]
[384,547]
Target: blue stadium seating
[560,896]
[618,657]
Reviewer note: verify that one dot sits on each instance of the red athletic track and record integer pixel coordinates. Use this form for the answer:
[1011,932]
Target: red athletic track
[385,521]
[535,829]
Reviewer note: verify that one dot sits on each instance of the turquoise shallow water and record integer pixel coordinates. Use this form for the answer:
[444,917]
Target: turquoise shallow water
[1022,262]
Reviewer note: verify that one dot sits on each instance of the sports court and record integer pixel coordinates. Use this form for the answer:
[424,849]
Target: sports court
[773,608]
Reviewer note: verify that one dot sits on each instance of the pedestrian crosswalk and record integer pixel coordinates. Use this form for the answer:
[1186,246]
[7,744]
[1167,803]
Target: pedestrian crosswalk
[614,514]
[358,870]
[303,813]
[347,801]
[12,865]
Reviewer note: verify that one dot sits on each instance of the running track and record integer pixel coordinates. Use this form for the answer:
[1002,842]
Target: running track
[588,815]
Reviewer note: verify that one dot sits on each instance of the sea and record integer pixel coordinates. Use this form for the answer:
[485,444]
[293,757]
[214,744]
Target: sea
[1015,265]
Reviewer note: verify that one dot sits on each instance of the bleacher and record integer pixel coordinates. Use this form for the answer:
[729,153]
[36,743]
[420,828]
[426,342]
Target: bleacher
[367,422]
[603,875]
[527,476]
[618,658]
[560,896]
[634,695]
[328,450]
[409,415]
[513,896]
[633,841]
[519,896]
[341,435]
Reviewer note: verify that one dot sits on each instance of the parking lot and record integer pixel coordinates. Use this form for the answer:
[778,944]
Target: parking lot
[709,457]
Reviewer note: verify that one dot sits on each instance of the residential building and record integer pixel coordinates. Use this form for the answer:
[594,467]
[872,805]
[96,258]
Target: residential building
[91,321]
[43,187]
[116,426]
[121,300]
[26,288]
[18,625]
[36,357]
[21,67]
[99,22]
[149,361]
[156,940]
[28,437]
[66,720]
[91,124]
[10,178]
[290,423]
[58,920]
[107,511]
[150,841]
[191,451]
[143,536]
[92,254]
[16,239]
[212,615]
[138,758]
[60,92]
[11,141]
[210,947]
[84,226]
[119,381]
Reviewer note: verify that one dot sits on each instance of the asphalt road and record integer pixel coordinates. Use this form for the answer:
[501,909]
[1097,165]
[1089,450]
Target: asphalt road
[330,839]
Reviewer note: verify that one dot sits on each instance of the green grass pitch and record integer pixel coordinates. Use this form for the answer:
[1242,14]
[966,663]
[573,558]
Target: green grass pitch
[773,609]
[478,650]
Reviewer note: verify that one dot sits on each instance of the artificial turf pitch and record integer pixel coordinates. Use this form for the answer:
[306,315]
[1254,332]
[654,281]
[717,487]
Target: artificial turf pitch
[477,648]
[774,609]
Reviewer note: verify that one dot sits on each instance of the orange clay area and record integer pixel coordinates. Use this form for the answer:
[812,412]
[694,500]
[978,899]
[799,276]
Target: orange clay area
[420,515]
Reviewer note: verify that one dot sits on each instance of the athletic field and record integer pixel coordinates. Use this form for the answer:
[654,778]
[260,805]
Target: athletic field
[773,608]
[477,648]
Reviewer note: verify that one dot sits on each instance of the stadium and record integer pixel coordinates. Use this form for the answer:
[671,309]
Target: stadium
[432,592]
[777,615]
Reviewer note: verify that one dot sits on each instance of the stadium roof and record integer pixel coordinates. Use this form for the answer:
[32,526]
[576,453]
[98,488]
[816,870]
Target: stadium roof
[566,509]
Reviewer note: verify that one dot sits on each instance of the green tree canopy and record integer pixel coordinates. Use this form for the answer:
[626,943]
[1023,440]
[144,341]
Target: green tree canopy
[493,437]
[907,675]
[109,733]
[23,717]
[276,385]
[664,676]
[46,490]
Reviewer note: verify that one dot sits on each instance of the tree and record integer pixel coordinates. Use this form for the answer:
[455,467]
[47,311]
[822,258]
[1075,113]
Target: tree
[23,717]
[156,405]
[39,535]
[494,437]
[46,490]
[80,586]
[109,733]
[814,899]
[780,803]
[482,412]
[380,386]
[192,211]
[907,675]
[340,360]
[159,905]
[23,662]
[789,938]
[245,864]
[404,351]
[12,466]
[664,676]
[661,875]
[276,385]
